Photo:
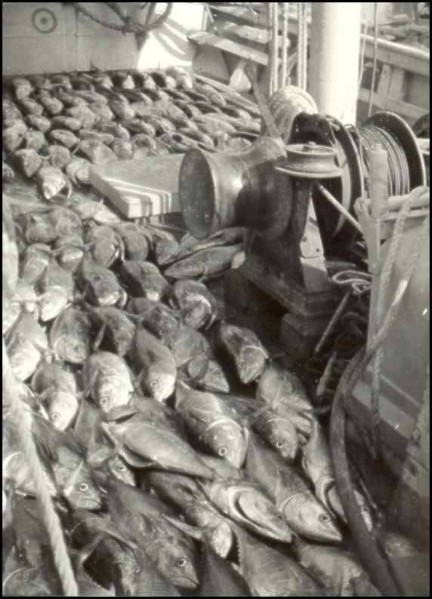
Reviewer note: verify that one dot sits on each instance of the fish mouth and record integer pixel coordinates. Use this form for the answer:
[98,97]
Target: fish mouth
[187,583]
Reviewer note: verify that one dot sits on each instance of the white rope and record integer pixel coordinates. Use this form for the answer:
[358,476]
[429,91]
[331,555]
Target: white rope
[284,57]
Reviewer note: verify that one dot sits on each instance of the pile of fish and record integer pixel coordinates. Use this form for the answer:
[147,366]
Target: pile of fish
[165,480]
[181,457]
[55,126]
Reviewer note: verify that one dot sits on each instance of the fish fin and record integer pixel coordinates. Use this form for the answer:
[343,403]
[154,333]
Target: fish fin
[238,260]
[192,531]
[99,337]
[87,550]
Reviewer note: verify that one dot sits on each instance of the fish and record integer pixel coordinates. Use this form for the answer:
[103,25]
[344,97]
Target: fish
[105,138]
[14,136]
[136,244]
[26,344]
[105,244]
[28,582]
[82,113]
[141,517]
[107,380]
[335,569]
[152,444]
[161,125]
[70,336]
[65,122]
[204,264]
[102,111]
[65,458]
[115,330]
[96,151]
[143,279]
[41,123]
[215,97]
[166,251]
[122,109]
[52,105]
[246,504]
[57,389]
[90,210]
[198,307]
[318,467]
[63,137]
[219,578]
[222,468]
[158,370]
[143,141]
[56,276]
[8,174]
[189,344]
[155,317]
[279,432]
[78,171]
[35,140]
[22,87]
[184,493]
[90,96]
[100,285]
[52,181]
[245,349]
[69,251]
[55,295]
[270,573]
[139,125]
[290,493]
[279,387]
[210,124]
[30,106]
[208,418]
[29,162]
[183,78]
[119,132]
[59,156]
[206,374]
[38,227]
[34,261]
[123,150]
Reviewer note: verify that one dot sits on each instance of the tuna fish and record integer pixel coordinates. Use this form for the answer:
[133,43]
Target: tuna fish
[198,307]
[304,514]
[70,336]
[204,264]
[107,380]
[143,279]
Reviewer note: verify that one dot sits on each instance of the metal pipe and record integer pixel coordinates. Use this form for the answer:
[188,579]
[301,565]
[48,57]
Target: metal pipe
[275,46]
[333,201]
[284,57]
[334,58]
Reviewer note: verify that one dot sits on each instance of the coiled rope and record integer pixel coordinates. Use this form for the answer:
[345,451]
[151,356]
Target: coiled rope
[398,169]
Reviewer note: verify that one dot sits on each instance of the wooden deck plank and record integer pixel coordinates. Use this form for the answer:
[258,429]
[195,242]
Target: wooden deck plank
[406,110]
[203,38]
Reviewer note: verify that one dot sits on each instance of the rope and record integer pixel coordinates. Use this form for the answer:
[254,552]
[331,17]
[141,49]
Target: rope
[128,25]
[49,515]
[302,46]
[382,291]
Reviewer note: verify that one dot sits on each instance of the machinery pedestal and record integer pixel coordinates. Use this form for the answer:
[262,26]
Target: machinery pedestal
[250,288]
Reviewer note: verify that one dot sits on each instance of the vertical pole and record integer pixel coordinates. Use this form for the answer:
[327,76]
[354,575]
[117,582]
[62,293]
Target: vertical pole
[275,54]
[284,57]
[270,16]
[334,58]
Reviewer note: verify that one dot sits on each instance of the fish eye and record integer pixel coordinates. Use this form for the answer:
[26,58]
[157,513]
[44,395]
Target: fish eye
[279,444]
[55,416]
[324,518]
[103,401]
[83,487]
[223,451]
[181,562]
[121,468]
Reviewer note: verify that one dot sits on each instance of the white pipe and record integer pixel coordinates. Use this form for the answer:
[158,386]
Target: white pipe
[334,58]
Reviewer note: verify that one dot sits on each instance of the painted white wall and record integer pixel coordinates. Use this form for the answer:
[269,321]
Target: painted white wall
[76,41]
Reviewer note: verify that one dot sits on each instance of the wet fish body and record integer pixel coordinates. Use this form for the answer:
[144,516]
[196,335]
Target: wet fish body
[279,387]
[304,514]
[107,380]
[70,336]
[198,307]
[156,363]
[144,279]
[209,419]
[26,344]
[100,285]
[204,264]
[116,331]
[156,317]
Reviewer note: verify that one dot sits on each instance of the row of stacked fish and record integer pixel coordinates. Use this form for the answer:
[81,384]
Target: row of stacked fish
[166,481]
[55,126]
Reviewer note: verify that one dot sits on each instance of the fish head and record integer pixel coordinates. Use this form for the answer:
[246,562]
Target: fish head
[214,378]
[62,409]
[251,363]
[176,562]
[113,392]
[196,315]
[282,436]
[85,495]
[229,441]
[118,467]
[310,519]
[160,384]
[73,348]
